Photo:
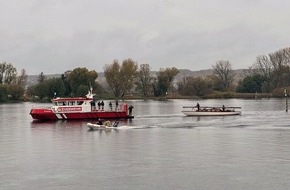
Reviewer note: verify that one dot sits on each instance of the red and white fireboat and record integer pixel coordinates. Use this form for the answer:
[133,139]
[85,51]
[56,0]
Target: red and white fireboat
[81,108]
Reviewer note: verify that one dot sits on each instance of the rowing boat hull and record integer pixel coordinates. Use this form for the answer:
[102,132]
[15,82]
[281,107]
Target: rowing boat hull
[211,113]
[93,126]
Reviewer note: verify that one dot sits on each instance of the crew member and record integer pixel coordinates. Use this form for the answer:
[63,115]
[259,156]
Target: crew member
[130,109]
[100,122]
[117,105]
[198,107]
[224,108]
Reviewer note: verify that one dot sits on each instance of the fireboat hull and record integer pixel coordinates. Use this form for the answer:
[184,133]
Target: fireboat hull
[46,114]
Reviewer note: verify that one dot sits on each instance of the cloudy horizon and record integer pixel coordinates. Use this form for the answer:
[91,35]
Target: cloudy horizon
[53,36]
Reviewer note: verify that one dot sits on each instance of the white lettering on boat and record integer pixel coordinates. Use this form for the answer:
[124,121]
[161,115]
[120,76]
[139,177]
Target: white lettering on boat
[69,109]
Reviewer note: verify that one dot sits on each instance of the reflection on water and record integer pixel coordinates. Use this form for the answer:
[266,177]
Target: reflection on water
[159,149]
[59,123]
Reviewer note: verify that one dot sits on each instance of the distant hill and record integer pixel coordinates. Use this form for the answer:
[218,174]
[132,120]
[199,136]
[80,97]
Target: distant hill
[186,73]
[32,79]
[203,73]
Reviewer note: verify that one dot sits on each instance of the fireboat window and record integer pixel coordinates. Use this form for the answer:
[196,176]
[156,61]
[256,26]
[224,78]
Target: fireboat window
[59,103]
[80,102]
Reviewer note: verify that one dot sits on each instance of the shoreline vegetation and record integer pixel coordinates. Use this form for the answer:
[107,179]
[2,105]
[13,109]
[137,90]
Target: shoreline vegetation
[217,95]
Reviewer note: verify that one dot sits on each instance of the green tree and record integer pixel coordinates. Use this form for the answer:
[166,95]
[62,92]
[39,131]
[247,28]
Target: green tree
[163,82]
[41,77]
[3,92]
[55,86]
[15,91]
[120,78]
[47,89]
[64,78]
[82,89]
[40,90]
[81,76]
[251,84]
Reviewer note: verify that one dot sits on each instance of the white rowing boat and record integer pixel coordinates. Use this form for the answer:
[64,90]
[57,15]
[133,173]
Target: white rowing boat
[106,125]
[211,111]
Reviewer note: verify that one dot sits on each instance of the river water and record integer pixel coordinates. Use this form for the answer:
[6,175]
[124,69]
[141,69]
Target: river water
[159,149]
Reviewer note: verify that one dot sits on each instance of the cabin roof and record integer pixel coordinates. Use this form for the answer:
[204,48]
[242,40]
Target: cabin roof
[71,99]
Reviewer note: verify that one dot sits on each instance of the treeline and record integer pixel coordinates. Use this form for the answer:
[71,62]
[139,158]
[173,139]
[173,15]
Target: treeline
[122,79]
[269,74]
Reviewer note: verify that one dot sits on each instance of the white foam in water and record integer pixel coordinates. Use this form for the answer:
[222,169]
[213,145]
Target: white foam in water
[134,127]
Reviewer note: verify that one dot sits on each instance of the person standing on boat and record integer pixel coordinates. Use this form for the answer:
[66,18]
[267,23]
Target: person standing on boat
[102,104]
[198,107]
[93,105]
[99,105]
[111,107]
[117,105]
[130,109]
[224,108]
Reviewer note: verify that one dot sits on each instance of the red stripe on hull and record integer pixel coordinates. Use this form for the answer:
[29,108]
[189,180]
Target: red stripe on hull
[46,114]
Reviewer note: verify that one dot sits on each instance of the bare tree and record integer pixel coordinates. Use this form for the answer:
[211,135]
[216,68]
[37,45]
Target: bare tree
[194,86]
[121,78]
[223,72]
[264,66]
[128,73]
[22,79]
[144,79]
[2,72]
[8,73]
[274,68]
[280,61]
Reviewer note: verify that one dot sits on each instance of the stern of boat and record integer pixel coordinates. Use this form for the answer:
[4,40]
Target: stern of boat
[42,114]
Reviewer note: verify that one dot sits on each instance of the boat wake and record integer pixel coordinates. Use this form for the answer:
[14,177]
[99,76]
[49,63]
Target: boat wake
[133,127]
[160,116]
[123,127]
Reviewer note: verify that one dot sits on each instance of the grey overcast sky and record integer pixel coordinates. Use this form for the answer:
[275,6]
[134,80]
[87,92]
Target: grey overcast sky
[53,36]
